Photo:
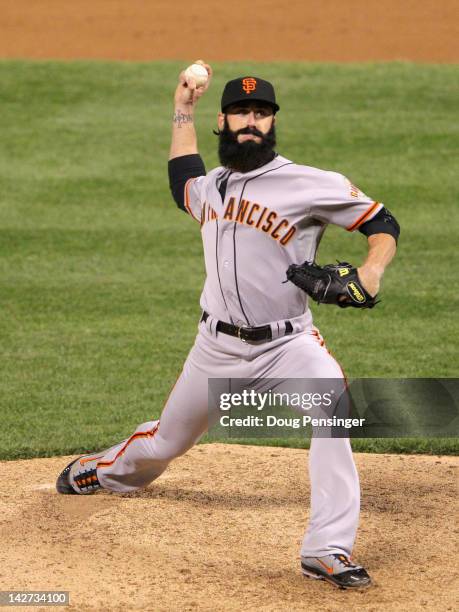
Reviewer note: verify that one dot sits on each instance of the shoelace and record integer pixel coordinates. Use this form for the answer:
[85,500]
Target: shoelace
[345,561]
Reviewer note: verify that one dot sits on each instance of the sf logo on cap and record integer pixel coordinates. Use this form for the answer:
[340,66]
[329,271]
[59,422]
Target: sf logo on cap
[249,84]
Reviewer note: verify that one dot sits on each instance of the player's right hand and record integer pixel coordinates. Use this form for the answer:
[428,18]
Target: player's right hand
[187,93]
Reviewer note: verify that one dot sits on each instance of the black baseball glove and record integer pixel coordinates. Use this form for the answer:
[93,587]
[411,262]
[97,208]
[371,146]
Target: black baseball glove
[332,284]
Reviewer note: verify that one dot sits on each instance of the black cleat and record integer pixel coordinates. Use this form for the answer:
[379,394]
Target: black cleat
[337,569]
[63,484]
[79,477]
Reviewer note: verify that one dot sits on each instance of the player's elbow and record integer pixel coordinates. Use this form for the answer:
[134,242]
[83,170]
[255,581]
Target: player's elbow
[382,223]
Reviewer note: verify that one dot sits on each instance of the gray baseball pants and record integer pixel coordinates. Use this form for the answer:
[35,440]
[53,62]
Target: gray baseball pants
[335,491]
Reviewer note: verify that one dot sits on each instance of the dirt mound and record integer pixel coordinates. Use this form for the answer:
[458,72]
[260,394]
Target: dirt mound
[221,530]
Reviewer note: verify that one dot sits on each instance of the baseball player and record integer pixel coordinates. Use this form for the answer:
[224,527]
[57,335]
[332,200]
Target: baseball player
[260,215]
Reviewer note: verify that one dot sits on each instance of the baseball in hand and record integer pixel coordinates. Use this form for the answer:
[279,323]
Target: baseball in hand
[198,73]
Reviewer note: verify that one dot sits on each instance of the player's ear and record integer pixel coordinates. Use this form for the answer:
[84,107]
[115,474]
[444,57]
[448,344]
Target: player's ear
[221,121]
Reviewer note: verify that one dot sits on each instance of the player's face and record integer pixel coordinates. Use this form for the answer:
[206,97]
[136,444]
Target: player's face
[248,118]
[246,136]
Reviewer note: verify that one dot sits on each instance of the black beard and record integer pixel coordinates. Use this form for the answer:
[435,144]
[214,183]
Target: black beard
[248,155]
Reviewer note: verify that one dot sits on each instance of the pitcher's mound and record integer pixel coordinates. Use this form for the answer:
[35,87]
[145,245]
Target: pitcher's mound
[221,530]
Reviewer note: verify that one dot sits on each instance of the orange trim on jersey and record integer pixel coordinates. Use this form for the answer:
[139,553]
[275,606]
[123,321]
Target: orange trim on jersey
[86,459]
[320,339]
[136,436]
[362,218]
[187,199]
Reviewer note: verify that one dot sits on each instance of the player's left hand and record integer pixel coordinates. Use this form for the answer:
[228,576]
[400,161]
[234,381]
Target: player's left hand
[338,284]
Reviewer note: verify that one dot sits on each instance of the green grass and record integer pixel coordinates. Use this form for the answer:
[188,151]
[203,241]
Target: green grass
[100,275]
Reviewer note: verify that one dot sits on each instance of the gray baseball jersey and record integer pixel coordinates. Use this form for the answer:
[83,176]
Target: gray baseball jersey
[268,219]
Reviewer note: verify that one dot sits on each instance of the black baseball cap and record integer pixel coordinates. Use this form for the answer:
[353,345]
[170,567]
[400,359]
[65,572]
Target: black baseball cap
[249,88]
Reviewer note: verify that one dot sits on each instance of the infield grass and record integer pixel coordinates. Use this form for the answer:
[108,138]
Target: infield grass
[101,274]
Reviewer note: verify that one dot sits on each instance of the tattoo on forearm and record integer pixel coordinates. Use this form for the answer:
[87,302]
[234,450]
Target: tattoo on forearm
[180,118]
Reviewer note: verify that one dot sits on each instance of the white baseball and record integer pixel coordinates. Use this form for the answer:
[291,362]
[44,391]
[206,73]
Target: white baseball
[198,73]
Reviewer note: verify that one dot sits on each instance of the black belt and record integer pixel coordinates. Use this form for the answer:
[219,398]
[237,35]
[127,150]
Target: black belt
[247,334]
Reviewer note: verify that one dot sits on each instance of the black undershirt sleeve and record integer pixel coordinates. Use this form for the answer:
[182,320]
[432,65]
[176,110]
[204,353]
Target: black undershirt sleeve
[180,170]
[382,223]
